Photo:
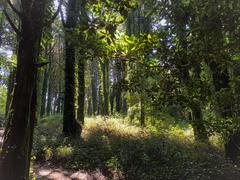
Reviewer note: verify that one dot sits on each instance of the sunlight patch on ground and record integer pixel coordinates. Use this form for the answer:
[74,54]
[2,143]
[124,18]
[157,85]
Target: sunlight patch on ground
[113,125]
[1,136]
[53,173]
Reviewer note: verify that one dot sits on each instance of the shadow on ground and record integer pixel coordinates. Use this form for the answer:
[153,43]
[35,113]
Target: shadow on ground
[109,152]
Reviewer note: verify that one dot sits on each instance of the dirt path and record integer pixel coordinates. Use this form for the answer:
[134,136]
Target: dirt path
[48,172]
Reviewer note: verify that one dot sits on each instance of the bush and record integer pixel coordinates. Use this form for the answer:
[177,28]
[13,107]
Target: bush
[123,151]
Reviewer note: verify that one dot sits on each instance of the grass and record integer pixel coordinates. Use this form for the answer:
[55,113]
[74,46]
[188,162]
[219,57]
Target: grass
[123,151]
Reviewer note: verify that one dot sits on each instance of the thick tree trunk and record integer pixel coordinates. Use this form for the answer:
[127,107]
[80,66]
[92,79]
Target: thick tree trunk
[14,162]
[200,132]
[69,119]
[70,125]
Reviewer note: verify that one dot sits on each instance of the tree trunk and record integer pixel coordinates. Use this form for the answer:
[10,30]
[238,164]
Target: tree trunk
[118,99]
[10,86]
[100,101]
[94,81]
[59,98]
[70,125]
[49,94]
[14,162]
[81,90]
[221,80]
[124,105]
[200,132]
[44,94]
[142,111]
[44,88]
[117,86]
[89,100]
[112,100]
[105,82]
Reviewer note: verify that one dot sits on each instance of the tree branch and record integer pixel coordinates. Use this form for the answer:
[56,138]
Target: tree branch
[41,64]
[14,9]
[56,13]
[17,31]
[51,48]
[62,17]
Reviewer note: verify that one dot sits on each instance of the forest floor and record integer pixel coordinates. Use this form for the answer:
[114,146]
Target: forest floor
[47,171]
[113,149]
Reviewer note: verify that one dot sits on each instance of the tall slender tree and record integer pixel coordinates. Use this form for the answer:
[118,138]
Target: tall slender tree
[105,86]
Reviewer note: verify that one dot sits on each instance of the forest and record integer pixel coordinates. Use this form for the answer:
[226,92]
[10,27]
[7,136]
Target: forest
[119,89]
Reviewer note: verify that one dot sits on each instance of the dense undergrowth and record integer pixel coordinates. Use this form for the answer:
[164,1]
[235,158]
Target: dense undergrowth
[123,151]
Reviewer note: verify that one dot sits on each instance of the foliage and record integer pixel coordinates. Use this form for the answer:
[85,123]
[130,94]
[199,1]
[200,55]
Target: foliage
[3,97]
[124,151]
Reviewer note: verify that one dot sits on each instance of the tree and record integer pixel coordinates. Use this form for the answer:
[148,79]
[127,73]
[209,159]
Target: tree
[94,83]
[81,63]
[138,23]
[70,124]
[17,143]
[105,86]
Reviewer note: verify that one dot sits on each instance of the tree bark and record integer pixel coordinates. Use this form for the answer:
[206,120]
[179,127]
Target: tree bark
[200,132]
[81,90]
[117,86]
[112,95]
[49,89]
[59,98]
[94,81]
[14,162]
[10,87]
[70,125]
[105,82]
[44,88]
[89,101]
[100,101]
[142,111]
[118,98]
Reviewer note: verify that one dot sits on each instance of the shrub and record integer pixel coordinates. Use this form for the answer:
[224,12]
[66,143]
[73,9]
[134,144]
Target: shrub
[123,151]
